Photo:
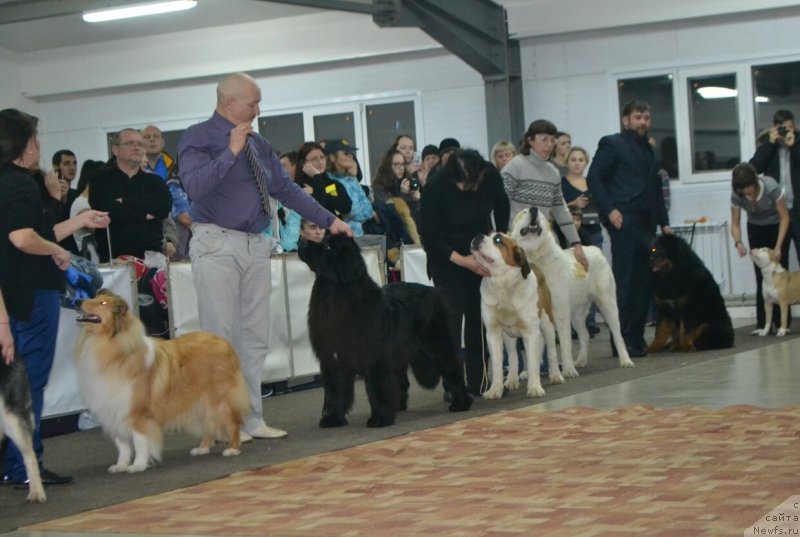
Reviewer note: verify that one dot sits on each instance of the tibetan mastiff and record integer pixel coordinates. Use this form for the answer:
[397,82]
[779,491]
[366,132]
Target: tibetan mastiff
[691,312]
[359,328]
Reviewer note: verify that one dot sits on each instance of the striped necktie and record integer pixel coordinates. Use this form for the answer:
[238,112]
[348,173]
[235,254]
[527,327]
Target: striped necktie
[262,175]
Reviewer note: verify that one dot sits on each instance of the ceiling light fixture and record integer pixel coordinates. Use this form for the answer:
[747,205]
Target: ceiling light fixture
[137,10]
[716,92]
[762,99]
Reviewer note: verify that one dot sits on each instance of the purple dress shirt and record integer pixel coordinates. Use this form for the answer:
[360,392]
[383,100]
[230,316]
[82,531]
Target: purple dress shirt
[222,186]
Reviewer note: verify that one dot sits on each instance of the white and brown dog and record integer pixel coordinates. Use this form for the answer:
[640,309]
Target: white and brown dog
[514,303]
[779,287]
[573,288]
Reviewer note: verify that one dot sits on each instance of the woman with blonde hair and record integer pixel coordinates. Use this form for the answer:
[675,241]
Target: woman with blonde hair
[502,152]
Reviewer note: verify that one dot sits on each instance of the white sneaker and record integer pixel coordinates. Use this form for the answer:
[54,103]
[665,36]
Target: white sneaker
[244,438]
[265,431]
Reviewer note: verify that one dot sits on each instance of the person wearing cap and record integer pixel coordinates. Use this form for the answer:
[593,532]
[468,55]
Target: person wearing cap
[530,180]
[430,157]
[446,148]
[342,168]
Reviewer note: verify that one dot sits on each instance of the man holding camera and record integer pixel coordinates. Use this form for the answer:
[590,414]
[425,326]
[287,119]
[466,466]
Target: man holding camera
[779,157]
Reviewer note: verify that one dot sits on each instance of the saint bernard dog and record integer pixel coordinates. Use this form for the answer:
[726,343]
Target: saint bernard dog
[573,288]
[515,302]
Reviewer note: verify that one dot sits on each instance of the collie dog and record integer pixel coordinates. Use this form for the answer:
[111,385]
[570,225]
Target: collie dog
[137,386]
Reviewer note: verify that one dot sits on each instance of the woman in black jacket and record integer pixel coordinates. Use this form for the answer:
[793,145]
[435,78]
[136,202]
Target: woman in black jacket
[310,175]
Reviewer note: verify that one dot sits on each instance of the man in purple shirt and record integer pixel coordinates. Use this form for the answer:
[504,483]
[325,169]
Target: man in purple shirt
[230,257]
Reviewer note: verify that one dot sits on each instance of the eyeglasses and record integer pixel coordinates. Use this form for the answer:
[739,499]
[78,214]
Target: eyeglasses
[398,164]
[132,144]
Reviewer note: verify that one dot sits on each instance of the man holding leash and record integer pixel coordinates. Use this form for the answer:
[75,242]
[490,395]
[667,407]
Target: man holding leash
[230,257]
[623,179]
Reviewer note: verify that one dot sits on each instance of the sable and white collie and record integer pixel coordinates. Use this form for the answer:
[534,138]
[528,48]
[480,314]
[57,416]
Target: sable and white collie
[137,386]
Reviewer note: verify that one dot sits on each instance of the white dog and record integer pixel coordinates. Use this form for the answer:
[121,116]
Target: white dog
[514,303]
[573,288]
[779,287]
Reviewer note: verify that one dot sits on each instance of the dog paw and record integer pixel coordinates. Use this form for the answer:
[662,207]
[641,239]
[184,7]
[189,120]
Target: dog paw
[782,332]
[760,332]
[136,468]
[535,391]
[556,379]
[512,383]
[580,362]
[230,452]
[495,391]
[332,421]
[462,402]
[117,468]
[570,372]
[375,421]
[523,375]
[199,451]
[37,496]
[625,362]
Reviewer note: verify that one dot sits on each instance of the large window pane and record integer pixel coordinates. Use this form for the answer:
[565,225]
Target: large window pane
[714,122]
[775,87]
[335,126]
[385,122]
[657,92]
[284,132]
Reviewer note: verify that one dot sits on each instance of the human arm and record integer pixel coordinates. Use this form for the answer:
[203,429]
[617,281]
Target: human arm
[783,227]
[28,241]
[6,338]
[736,230]
[338,226]
[205,160]
[600,171]
[86,219]
[765,153]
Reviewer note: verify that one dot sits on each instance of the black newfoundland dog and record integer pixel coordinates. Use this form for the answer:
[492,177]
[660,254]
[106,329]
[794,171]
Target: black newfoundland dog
[691,312]
[359,328]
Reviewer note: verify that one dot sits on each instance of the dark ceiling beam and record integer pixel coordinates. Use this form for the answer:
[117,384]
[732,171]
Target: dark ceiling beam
[27,10]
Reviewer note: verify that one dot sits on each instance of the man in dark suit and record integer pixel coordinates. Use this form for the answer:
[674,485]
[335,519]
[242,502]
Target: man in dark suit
[624,181]
[778,156]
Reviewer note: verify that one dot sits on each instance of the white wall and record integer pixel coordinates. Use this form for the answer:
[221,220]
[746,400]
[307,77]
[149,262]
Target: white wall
[11,95]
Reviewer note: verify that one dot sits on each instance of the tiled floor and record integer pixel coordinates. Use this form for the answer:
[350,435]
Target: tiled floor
[745,485]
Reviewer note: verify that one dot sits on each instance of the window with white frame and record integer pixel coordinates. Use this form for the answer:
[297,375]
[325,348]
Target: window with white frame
[775,87]
[714,122]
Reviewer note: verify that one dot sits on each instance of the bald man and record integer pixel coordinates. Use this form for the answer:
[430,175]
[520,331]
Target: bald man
[230,256]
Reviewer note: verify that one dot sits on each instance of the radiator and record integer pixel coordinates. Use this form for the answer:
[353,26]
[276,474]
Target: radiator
[710,243]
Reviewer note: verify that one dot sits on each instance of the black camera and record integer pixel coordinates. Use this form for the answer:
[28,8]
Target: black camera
[414,184]
[782,131]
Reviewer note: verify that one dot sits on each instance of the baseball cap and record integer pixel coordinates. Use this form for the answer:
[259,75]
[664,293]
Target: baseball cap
[332,146]
[448,144]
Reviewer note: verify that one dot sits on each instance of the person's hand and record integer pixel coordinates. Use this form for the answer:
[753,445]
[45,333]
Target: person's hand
[6,343]
[773,135]
[53,184]
[405,186]
[185,219]
[62,259]
[352,168]
[422,175]
[308,189]
[581,202]
[788,140]
[470,263]
[412,167]
[310,170]
[63,187]
[615,217]
[338,226]
[415,195]
[95,219]
[741,249]
[666,230]
[777,253]
[580,257]
[239,136]
[149,217]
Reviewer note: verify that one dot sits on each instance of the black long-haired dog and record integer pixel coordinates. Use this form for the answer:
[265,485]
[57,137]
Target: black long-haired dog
[16,421]
[357,327]
[691,312]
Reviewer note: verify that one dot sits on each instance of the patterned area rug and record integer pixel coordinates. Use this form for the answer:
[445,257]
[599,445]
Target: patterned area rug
[579,473]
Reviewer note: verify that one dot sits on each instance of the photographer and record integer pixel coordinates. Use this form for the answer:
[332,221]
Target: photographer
[391,181]
[778,157]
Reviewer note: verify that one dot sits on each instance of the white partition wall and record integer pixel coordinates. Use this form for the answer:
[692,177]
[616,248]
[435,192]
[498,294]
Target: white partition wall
[62,395]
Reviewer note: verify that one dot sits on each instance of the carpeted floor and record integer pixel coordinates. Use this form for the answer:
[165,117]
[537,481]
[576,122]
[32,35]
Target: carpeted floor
[579,472]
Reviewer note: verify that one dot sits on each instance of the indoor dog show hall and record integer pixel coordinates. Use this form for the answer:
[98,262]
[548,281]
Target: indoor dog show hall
[686,442]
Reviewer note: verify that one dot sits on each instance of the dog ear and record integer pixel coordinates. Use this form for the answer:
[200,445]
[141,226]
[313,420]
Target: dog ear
[522,261]
[120,311]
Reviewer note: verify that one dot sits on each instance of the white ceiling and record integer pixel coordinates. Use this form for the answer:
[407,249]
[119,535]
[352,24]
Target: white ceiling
[70,30]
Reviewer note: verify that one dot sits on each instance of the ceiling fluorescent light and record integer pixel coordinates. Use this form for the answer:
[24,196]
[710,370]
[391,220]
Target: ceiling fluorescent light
[762,99]
[716,92]
[137,10]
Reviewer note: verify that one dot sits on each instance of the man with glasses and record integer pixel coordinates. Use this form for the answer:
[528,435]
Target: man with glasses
[624,182]
[137,201]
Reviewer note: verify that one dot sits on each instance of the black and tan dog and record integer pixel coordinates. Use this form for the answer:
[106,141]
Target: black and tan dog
[357,327]
[691,312]
[16,421]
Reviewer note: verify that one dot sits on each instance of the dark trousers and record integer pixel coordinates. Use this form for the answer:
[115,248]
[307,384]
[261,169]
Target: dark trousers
[461,290]
[765,237]
[35,341]
[630,264]
[794,231]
